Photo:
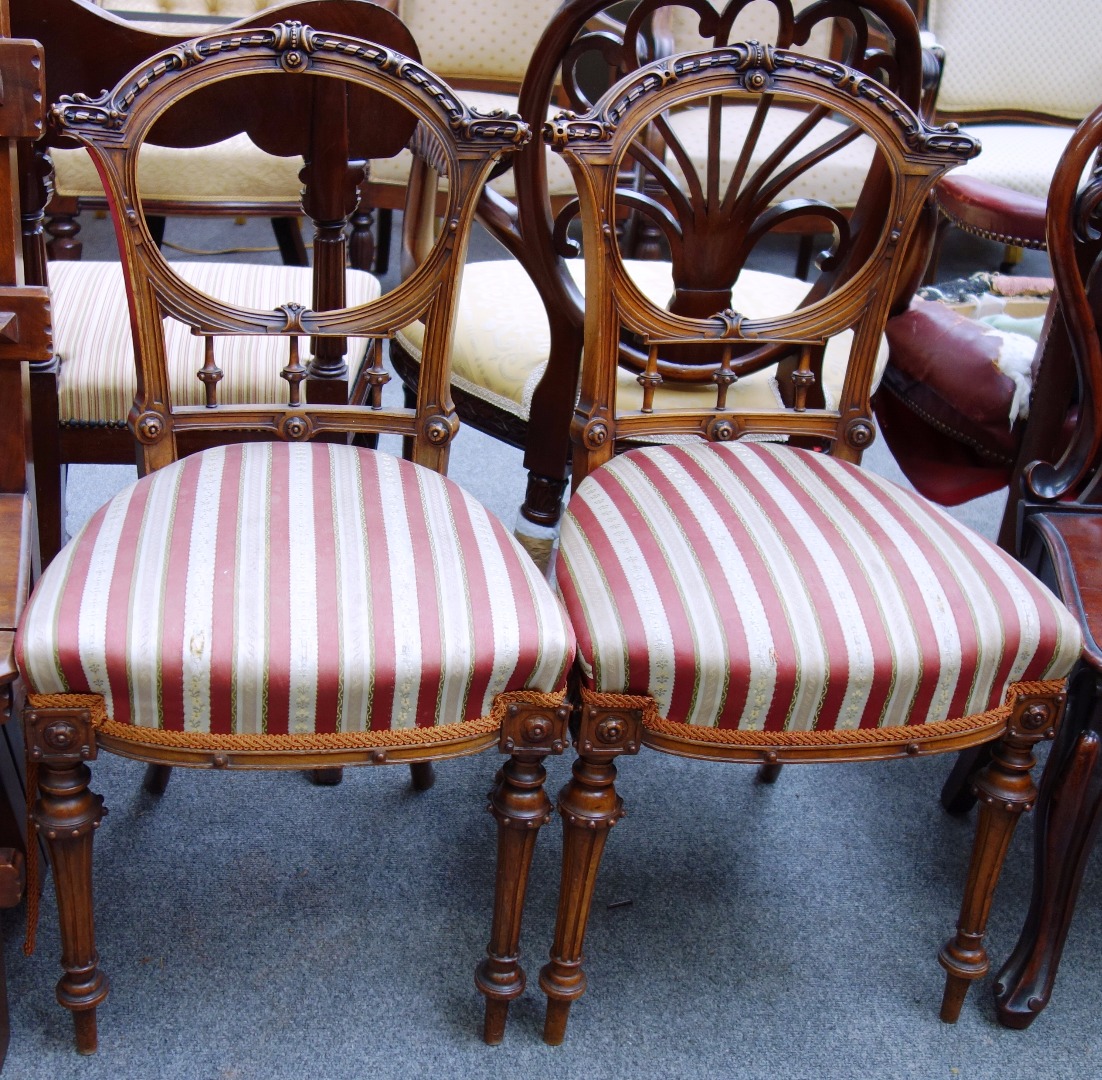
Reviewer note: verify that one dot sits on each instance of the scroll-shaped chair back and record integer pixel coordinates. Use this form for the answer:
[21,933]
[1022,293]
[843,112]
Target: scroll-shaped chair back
[347,75]
[729,341]
[1074,324]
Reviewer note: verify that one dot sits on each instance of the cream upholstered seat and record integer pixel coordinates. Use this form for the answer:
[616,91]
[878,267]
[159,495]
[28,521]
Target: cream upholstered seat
[500,351]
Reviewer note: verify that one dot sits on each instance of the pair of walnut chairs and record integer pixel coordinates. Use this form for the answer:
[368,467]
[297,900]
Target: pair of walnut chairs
[736,587]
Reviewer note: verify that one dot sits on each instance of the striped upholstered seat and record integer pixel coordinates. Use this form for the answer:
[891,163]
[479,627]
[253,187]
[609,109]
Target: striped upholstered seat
[749,588]
[398,605]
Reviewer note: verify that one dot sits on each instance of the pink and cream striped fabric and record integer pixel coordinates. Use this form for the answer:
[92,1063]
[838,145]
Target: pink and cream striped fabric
[274,588]
[757,587]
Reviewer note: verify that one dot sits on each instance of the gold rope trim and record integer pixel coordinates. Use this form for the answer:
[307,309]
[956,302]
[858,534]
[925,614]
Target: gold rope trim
[337,740]
[832,736]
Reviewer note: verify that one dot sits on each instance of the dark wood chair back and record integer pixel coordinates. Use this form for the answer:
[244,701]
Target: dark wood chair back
[332,83]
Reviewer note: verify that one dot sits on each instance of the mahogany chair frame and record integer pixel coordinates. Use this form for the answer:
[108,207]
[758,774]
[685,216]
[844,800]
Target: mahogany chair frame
[63,736]
[93,49]
[859,296]
[880,37]
[1060,538]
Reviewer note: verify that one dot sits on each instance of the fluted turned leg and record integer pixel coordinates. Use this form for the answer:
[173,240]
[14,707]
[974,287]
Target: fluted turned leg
[1069,812]
[1005,790]
[520,804]
[66,814]
[589,807]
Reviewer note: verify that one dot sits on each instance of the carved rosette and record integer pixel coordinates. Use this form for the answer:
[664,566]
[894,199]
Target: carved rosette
[59,735]
[609,732]
[534,729]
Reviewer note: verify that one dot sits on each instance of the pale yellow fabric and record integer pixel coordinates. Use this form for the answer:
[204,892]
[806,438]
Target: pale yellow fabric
[837,180]
[92,335]
[502,337]
[1043,57]
[1021,157]
[757,22]
[489,39]
[219,10]
[235,170]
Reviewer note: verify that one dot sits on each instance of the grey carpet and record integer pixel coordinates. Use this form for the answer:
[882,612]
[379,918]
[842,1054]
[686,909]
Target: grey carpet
[256,927]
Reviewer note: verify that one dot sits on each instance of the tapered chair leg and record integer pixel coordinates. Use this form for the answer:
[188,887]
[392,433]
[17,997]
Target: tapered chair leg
[1005,790]
[590,807]
[66,814]
[521,806]
[1069,812]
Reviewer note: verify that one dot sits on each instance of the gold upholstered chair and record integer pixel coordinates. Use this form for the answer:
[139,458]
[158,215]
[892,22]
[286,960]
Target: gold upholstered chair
[737,596]
[295,601]
[1022,114]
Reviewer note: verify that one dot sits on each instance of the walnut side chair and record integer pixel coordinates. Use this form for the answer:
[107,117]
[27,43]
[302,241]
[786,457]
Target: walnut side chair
[520,323]
[387,617]
[80,399]
[740,597]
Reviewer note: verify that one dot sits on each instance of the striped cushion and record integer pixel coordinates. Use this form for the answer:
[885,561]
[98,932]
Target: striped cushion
[92,339]
[758,587]
[195,600]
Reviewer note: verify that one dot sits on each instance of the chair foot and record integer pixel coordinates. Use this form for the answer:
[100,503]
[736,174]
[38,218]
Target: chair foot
[554,1023]
[1068,816]
[589,807]
[422,775]
[493,1028]
[328,777]
[1005,790]
[87,1035]
[156,778]
[521,806]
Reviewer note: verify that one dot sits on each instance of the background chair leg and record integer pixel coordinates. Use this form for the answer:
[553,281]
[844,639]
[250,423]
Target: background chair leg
[288,235]
[520,804]
[156,778]
[66,814]
[768,773]
[329,777]
[590,807]
[1069,811]
[957,795]
[1006,790]
[421,775]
